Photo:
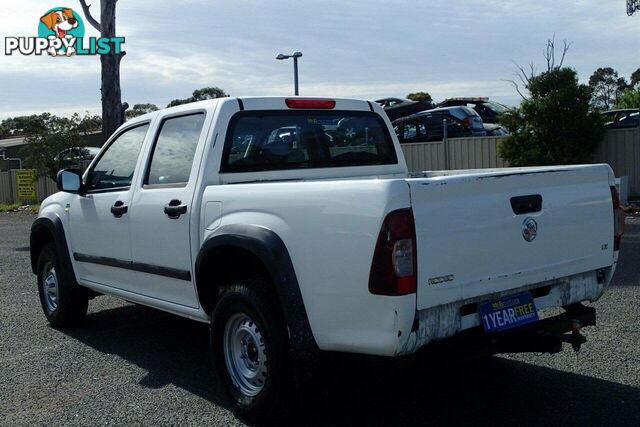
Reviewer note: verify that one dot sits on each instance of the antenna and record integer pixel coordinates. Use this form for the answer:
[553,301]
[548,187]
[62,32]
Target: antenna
[633,6]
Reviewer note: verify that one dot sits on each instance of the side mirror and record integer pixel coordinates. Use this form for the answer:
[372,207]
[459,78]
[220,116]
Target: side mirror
[70,181]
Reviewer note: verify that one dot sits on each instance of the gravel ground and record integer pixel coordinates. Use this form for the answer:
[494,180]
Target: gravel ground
[133,365]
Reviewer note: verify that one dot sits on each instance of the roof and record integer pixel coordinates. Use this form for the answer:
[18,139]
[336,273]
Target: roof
[621,109]
[12,142]
[469,99]
[21,140]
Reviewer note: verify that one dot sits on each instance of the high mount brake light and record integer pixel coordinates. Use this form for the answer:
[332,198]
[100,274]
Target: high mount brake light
[618,218]
[394,269]
[316,104]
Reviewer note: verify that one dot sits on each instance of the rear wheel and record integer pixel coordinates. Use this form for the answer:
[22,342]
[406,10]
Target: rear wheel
[64,303]
[250,351]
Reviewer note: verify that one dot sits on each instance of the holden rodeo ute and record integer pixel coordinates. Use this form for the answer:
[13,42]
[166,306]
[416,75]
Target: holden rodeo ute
[293,227]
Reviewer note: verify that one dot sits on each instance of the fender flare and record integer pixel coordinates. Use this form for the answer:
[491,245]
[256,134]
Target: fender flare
[271,250]
[55,228]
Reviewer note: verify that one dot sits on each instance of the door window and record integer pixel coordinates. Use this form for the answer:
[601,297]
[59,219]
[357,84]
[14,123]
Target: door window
[410,130]
[174,150]
[115,168]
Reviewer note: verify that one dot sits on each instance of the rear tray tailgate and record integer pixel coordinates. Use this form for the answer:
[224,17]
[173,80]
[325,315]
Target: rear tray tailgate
[479,233]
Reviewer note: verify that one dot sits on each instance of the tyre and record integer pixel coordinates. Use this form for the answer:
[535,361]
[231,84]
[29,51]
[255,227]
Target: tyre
[250,352]
[64,303]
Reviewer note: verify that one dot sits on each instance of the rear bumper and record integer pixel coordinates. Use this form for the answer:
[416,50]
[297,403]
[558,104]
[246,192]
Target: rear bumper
[445,321]
[545,336]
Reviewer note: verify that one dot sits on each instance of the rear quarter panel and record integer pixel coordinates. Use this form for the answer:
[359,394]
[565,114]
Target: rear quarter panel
[330,230]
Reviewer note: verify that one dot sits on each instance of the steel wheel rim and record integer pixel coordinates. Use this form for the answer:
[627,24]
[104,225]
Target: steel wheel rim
[50,287]
[245,354]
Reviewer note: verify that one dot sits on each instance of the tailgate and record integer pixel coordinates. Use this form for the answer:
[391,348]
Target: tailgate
[472,240]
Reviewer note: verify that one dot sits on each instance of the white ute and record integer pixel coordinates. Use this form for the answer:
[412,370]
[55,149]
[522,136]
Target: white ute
[293,227]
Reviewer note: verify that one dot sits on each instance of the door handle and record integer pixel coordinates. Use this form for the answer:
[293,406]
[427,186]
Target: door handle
[175,208]
[119,208]
[526,204]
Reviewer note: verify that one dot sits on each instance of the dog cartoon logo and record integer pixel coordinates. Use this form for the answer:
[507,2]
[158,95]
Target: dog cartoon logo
[61,34]
[61,26]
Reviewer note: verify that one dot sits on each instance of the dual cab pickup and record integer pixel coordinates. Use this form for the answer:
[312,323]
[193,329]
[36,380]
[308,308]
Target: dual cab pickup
[293,227]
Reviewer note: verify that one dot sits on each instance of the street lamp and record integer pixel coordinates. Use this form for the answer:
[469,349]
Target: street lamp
[295,56]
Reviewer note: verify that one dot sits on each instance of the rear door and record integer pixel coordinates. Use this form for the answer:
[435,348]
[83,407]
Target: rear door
[162,211]
[434,126]
[483,233]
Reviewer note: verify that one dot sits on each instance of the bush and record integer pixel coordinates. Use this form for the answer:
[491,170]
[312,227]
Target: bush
[554,125]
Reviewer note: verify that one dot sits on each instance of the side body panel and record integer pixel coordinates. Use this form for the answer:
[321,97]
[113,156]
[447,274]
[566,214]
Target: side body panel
[329,229]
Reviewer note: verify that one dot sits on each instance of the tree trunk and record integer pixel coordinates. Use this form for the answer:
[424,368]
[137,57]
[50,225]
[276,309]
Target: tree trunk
[112,108]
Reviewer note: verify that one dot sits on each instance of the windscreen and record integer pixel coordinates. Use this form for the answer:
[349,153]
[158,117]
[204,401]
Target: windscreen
[276,140]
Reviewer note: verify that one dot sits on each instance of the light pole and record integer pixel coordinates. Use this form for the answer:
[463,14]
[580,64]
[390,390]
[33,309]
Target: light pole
[295,56]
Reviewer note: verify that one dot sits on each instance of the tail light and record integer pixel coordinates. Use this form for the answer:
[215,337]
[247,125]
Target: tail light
[316,104]
[467,122]
[618,218]
[394,267]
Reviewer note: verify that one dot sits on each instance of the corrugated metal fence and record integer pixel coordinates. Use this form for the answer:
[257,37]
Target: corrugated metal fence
[5,188]
[9,194]
[620,148]
[464,153]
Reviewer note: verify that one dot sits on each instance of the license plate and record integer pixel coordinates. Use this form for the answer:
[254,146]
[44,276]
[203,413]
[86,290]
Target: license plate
[508,312]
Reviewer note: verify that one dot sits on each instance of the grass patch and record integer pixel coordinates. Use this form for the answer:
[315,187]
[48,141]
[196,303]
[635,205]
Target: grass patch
[16,207]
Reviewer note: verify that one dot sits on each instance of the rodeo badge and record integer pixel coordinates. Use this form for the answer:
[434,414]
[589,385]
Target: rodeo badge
[61,34]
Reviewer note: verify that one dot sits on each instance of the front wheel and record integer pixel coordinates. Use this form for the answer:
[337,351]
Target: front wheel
[64,303]
[249,348]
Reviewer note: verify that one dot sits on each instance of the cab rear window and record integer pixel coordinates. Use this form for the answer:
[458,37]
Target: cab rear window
[277,140]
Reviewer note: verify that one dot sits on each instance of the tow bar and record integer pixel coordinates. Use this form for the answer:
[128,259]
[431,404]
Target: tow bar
[547,335]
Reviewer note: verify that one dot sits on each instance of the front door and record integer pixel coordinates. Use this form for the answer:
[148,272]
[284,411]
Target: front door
[161,220]
[99,220]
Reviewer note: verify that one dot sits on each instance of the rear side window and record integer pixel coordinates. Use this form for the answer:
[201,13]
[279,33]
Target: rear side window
[410,130]
[276,140]
[174,150]
[461,113]
[414,129]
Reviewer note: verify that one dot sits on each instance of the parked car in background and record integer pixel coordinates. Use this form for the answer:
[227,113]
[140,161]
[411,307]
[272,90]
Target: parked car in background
[495,130]
[428,125]
[488,110]
[400,107]
[75,154]
[620,119]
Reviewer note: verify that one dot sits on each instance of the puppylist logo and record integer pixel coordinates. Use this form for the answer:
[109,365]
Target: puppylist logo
[61,33]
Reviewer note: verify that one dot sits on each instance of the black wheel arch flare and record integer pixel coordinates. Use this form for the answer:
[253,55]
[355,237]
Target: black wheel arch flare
[43,230]
[268,247]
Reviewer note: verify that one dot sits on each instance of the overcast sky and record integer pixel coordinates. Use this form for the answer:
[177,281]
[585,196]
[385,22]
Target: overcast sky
[366,49]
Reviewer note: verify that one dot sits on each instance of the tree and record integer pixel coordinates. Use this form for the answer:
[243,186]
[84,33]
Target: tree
[58,134]
[630,98]
[140,109]
[634,80]
[24,125]
[420,96]
[200,95]
[607,86]
[112,107]
[554,123]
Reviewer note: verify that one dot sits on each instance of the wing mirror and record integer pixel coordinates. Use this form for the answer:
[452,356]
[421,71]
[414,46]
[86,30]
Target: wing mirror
[70,181]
